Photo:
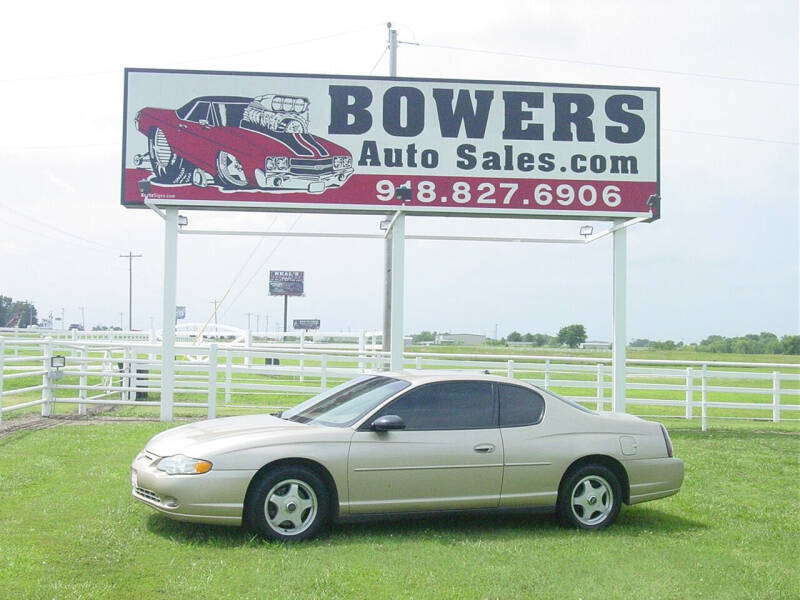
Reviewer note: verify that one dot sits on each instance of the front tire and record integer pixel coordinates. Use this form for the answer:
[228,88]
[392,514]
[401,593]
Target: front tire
[590,498]
[230,170]
[288,503]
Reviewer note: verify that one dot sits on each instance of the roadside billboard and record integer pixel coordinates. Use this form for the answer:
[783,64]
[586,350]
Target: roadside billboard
[286,283]
[260,141]
[305,324]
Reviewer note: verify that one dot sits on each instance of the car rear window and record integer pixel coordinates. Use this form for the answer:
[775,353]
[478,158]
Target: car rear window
[519,406]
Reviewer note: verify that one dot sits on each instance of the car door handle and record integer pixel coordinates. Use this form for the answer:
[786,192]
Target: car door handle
[181,126]
[484,448]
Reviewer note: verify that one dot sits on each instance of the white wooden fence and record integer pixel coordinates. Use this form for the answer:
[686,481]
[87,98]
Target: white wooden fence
[239,376]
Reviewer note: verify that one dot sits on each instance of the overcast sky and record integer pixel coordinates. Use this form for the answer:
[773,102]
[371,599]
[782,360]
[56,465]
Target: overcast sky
[723,259]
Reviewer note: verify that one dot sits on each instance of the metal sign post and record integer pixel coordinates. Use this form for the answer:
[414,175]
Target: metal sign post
[168,312]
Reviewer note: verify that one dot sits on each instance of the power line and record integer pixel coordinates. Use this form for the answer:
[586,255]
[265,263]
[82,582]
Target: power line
[600,64]
[199,60]
[58,229]
[731,137]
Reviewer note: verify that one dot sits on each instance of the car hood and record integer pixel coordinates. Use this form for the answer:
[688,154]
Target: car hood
[218,436]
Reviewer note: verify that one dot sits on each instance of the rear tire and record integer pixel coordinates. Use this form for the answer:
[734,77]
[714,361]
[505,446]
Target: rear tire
[167,166]
[289,503]
[589,498]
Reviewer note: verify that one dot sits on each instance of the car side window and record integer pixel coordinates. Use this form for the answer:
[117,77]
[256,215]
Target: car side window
[199,112]
[519,406]
[448,405]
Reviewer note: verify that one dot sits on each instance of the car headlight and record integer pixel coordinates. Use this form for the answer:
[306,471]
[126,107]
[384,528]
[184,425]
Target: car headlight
[342,162]
[183,465]
[276,163]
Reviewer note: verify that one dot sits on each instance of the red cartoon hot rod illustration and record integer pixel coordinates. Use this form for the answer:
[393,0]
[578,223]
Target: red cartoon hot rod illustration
[240,143]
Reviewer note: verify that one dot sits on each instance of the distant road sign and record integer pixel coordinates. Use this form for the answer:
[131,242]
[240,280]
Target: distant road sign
[180,312]
[305,323]
[286,283]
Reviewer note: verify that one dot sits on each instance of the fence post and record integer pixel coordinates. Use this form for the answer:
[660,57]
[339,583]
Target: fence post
[703,409]
[547,373]
[776,397]
[418,363]
[212,381]
[302,361]
[2,366]
[323,377]
[83,380]
[227,376]
[600,402]
[510,369]
[127,367]
[362,340]
[47,391]
[689,392]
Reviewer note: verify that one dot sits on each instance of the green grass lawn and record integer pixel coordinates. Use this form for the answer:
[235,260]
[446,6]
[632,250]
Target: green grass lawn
[70,530]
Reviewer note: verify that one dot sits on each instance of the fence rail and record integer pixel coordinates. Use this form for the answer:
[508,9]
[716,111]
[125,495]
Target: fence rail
[125,371]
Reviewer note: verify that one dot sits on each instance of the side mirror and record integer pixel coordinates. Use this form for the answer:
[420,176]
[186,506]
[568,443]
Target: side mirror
[387,423]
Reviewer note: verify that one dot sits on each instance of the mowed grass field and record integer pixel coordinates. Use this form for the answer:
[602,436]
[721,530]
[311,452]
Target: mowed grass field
[69,529]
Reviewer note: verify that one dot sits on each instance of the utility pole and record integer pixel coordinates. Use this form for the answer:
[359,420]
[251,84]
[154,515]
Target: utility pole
[387,243]
[258,320]
[215,303]
[122,321]
[83,318]
[130,256]
[248,320]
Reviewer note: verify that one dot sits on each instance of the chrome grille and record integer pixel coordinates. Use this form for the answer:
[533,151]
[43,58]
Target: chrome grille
[148,494]
[311,166]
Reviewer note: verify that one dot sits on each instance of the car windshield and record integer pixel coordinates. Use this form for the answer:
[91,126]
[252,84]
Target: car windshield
[347,403]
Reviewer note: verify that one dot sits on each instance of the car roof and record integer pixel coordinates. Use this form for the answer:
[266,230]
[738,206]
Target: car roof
[431,376]
[222,99]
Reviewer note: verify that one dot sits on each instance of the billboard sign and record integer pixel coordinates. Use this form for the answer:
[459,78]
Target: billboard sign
[286,283]
[180,312]
[231,140]
[305,324]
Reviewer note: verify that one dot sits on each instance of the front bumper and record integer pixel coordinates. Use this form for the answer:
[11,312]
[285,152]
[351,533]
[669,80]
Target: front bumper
[216,497]
[654,478]
[314,184]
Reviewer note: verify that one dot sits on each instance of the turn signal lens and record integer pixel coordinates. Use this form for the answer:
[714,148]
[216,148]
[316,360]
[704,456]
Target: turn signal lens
[202,466]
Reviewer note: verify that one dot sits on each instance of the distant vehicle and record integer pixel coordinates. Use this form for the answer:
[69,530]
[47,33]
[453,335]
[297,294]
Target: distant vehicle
[75,327]
[235,142]
[400,443]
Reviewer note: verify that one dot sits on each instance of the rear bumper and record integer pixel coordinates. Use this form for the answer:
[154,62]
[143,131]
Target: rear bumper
[655,478]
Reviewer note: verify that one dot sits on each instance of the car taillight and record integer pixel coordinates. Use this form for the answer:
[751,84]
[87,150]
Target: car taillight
[667,441]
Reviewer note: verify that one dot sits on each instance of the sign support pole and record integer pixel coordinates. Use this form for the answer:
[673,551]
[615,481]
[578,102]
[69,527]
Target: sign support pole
[285,312]
[398,249]
[387,246]
[618,350]
[168,313]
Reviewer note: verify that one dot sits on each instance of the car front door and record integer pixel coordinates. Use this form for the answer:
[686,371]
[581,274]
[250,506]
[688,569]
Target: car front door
[449,456]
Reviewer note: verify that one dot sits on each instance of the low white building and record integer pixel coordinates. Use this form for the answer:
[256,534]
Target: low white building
[460,339]
[595,345]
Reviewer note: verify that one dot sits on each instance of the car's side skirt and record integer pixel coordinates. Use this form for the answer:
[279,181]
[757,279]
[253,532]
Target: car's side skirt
[424,514]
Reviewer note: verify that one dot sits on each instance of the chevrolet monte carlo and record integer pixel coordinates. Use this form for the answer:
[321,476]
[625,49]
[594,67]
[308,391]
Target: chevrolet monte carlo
[407,443]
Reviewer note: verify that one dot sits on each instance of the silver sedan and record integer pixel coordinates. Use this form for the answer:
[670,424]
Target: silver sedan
[401,443]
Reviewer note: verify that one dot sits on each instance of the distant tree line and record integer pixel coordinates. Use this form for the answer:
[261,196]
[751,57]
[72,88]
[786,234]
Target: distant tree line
[752,343]
[16,313]
[570,335]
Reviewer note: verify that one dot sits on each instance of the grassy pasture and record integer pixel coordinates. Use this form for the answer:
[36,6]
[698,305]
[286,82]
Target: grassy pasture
[70,530]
